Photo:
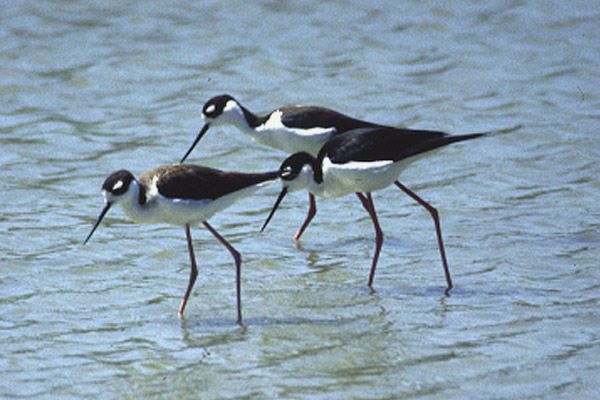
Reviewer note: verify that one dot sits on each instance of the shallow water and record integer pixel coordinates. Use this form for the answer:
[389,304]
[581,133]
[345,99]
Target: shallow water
[87,89]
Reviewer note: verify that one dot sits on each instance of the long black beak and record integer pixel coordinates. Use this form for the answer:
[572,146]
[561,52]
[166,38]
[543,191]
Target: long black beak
[281,196]
[202,132]
[102,214]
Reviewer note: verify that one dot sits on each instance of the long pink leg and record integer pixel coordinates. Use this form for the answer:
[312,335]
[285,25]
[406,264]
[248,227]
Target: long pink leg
[193,272]
[312,210]
[367,202]
[238,268]
[436,219]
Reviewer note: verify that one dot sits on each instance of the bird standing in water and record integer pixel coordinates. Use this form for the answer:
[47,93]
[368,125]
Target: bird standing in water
[182,195]
[362,161]
[290,128]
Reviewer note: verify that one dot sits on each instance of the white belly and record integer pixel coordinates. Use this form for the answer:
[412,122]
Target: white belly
[160,209]
[339,180]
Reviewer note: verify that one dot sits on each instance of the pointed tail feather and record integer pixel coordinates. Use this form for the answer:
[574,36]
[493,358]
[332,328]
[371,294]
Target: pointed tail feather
[442,141]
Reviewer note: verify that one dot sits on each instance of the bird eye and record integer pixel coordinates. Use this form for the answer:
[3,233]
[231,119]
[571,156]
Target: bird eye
[210,109]
[286,173]
[118,185]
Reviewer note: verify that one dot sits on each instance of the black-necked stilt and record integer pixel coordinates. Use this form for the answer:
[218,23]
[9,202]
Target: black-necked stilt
[291,129]
[362,161]
[182,195]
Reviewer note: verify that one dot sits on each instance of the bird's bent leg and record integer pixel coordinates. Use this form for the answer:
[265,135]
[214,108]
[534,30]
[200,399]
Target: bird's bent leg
[436,219]
[367,202]
[238,268]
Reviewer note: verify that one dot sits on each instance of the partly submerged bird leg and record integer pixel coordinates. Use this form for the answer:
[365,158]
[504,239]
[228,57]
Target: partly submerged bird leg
[238,268]
[436,219]
[367,202]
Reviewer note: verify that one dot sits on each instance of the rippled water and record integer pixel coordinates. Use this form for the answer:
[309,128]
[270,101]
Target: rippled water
[87,88]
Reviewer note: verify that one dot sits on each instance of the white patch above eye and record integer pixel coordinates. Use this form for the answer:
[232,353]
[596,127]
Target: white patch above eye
[210,109]
[118,185]
[230,105]
[287,171]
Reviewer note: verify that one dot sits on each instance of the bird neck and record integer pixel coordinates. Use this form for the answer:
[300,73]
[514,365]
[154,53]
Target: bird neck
[242,119]
[317,170]
[305,180]
[251,120]
[134,202]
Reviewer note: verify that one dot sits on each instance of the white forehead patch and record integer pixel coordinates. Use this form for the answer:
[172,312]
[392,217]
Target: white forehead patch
[210,109]
[118,185]
[107,196]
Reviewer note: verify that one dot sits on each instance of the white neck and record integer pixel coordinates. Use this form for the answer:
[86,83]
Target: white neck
[305,180]
[233,115]
[333,185]
[140,213]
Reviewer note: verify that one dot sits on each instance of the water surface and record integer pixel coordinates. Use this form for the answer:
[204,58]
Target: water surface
[88,88]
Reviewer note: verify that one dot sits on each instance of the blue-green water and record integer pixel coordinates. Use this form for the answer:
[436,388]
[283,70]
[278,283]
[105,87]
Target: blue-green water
[87,88]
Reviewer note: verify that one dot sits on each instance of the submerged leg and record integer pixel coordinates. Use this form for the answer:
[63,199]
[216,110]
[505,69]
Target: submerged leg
[367,202]
[193,272]
[438,229]
[238,268]
[312,210]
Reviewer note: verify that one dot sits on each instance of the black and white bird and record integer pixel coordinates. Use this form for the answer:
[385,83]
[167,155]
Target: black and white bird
[182,195]
[290,128]
[362,161]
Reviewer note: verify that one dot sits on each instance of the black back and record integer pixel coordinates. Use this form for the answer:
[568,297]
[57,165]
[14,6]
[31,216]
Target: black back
[378,144]
[385,144]
[195,182]
[306,117]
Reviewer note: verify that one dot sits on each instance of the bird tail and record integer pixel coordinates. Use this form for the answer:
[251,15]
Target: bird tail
[444,141]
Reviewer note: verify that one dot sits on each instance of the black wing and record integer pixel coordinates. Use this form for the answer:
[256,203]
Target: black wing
[196,182]
[385,144]
[306,117]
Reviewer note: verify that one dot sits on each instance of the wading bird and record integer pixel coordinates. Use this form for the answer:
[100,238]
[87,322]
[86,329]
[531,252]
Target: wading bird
[182,195]
[362,161]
